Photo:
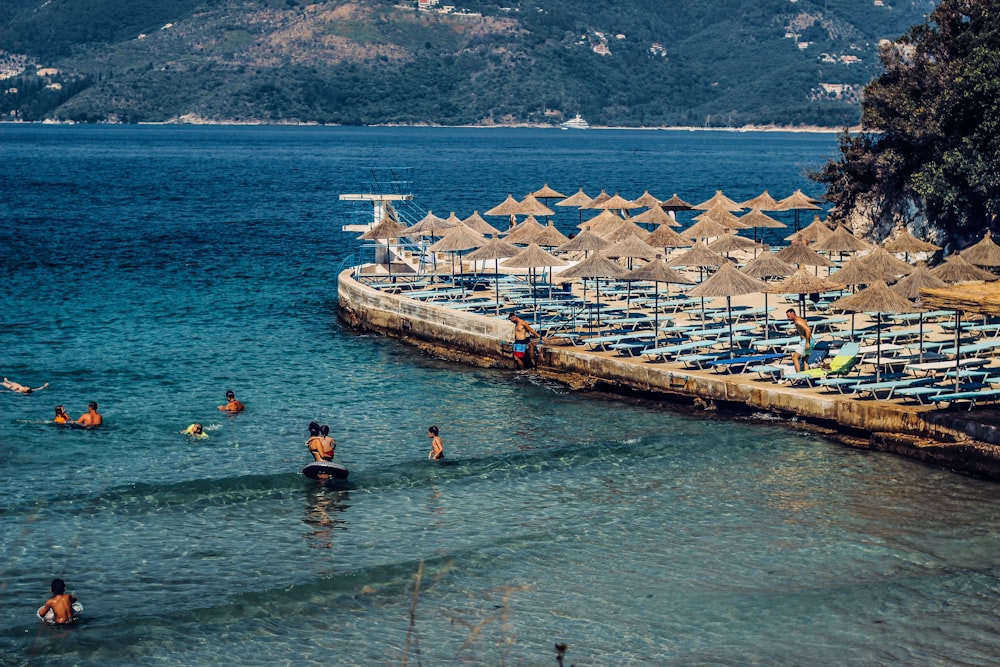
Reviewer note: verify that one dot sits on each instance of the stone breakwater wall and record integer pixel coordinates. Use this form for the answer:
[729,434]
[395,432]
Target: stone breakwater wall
[945,438]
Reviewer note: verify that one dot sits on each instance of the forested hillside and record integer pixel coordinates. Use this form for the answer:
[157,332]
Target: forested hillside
[622,63]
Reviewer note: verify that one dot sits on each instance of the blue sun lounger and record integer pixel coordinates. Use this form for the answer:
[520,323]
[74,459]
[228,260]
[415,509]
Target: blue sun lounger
[972,397]
[884,390]
[741,364]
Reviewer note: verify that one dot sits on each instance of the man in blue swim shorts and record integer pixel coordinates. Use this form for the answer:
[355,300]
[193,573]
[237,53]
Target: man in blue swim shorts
[522,337]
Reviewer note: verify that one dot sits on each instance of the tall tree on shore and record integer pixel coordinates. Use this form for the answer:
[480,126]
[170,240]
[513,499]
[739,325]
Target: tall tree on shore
[928,153]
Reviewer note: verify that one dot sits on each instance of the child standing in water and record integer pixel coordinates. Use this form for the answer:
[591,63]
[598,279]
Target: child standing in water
[437,448]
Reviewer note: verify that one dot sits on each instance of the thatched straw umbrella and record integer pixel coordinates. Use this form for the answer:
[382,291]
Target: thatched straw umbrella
[982,298]
[877,298]
[545,192]
[705,229]
[622,230]
[756,219]
[730,242]
[585,241]
[549,236]
[700,256]
[596,202]
[876,265]
[509,208]
[802,282]
[457,239]
[905,242]
[722,215]
[800,254]
[840,240]
[664,237]
[728,282]
[531,258]
[531,206]
[984,253]
[909,288]
[603,221]
[675,203]
[796,202]
[956,269]
[646,200]
[476,222]
[655,216]
[579,200]
[429,225]
[617,203]
[525,231]
[596,266]
[767,265]
[717,199]
[387,230]
[764,202]
[657,272]
[631,247]
[813,232]
[495,249]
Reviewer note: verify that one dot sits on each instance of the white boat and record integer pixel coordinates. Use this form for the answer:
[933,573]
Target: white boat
[575,123]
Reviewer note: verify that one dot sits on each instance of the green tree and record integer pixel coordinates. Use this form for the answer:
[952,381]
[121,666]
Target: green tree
[929,149]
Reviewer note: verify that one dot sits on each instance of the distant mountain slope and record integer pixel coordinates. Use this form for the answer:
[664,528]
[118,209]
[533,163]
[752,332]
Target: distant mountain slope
[637,63]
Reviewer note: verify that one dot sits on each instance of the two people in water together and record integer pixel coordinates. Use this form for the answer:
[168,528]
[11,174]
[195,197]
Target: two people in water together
[88,419]
[62,607]
[232,406]
[320,444]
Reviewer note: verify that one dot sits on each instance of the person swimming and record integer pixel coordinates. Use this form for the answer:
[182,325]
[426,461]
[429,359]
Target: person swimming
[61,608]
[21,388]
[61,416]
[195,430]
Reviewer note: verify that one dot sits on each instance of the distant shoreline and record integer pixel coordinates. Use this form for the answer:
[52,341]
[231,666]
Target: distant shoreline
[805,129]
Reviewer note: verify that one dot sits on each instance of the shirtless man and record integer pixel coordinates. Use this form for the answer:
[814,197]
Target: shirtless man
[60,604]
[522,337]
[800,353]
[20,388]
[92,418]
[232,405]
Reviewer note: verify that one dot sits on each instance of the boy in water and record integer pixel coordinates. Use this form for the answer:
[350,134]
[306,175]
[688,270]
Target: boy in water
[59,607]
[437,448]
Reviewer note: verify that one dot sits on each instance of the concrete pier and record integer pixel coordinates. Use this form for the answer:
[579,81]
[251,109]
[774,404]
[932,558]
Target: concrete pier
[965,442]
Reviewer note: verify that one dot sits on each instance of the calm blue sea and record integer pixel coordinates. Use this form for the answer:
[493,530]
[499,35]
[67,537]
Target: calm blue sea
[153,268]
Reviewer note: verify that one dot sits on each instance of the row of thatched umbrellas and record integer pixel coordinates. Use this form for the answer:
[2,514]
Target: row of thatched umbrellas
[622,238]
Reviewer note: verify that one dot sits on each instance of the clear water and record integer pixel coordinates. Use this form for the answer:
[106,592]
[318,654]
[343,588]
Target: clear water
[152,268]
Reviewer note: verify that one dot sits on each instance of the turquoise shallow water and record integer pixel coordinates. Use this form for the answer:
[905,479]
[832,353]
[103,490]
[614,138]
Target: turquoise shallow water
[153,268]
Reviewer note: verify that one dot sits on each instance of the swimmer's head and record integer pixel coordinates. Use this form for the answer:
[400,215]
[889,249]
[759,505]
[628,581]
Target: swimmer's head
[58,586]
[324,430]
[92,405]
[230,395]
[313,428]
[433,430]
[60,409]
